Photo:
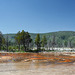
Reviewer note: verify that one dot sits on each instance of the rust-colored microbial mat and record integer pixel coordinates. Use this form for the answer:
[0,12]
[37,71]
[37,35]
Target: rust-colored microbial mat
[46,63]
[37,57]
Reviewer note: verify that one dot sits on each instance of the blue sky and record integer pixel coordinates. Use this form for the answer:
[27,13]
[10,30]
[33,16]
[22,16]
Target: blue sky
[37,16]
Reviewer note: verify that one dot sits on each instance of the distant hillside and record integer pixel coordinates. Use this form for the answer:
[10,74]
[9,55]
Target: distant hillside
[61,35]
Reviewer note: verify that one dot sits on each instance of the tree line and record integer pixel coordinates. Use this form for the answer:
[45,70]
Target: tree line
[24,42]
[24,39]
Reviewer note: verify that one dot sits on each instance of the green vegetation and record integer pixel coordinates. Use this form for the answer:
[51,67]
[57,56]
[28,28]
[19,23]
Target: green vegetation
[18,40]
[43,42]
[24,41]
[2,41]
[37,42]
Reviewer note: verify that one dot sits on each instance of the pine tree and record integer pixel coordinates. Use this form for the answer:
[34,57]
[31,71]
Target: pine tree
[18,39]
[37,42]
[24,38]
[44,42]
[1,37]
